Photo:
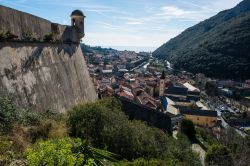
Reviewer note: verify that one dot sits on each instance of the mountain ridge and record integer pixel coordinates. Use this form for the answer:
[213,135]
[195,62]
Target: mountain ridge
[217,47]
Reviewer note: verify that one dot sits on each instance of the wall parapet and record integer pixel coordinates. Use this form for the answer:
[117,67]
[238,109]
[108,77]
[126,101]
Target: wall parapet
[23,25]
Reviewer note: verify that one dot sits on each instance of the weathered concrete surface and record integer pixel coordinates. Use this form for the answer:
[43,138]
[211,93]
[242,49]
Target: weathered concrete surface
[44,76]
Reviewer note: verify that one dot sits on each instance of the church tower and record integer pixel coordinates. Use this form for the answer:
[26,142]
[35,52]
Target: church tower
[162,84]
[77,21]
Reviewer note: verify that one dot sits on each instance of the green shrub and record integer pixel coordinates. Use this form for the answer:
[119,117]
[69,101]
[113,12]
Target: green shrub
[107,127]
[10,36]
[8,114]
[29,117]
[2,35]
[218,155]
[205,136]
[27,36]
[48,37]
[58,130]
[67,151]
[7,35]
[58,152]
[6,153]
[9,153]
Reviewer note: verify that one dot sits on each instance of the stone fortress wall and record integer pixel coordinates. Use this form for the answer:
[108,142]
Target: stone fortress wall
[42,76]
[18,23]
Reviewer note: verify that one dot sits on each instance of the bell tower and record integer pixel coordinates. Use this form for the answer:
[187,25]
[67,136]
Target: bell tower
[162,84]
[77,21]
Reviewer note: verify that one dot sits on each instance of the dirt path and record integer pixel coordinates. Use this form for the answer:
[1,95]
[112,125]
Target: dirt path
[202,153]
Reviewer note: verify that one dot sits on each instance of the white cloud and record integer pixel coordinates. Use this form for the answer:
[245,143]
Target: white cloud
[170,11]
[174,13]
[134,23]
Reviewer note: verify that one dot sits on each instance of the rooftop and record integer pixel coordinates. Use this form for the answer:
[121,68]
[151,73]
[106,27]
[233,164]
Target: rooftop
[189,111]
[177,99]
[191,87]
[176,90]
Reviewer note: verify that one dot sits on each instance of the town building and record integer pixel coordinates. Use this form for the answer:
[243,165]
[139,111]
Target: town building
[162,84]
[204,118]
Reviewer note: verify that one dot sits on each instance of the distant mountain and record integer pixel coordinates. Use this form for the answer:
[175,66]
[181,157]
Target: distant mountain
[218,47]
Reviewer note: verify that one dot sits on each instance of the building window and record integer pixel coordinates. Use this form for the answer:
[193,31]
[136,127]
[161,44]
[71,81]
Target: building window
[73,22]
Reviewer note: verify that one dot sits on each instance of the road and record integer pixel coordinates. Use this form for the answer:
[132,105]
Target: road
[223,122]
[226,125]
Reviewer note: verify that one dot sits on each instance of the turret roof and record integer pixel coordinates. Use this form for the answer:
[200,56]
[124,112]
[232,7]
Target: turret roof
[77,13]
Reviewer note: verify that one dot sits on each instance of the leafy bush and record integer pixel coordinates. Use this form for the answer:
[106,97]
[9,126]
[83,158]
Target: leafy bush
[238,146]
[2,35]
[58,129]
[57,152]
[8,114]
[6,153]
[107,127]
[205,136]
[29,117]
[10,36]
[7,35]
[9,152]
[218,155]
[67,151]
[48,37]
[27,36]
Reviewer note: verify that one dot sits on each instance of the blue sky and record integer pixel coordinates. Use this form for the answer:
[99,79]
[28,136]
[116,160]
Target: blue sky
[138,23]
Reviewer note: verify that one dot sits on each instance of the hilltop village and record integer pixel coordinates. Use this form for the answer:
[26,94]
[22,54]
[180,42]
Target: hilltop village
[153,85]
[148,113]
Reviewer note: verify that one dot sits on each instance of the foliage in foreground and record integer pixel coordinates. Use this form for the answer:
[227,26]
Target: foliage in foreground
[19,129]
[45,135]
[107,127]
[67,151]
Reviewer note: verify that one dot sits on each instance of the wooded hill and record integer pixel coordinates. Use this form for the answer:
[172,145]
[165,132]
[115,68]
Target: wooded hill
[218,47]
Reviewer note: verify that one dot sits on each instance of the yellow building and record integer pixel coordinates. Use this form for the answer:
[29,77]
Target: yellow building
[204,118]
